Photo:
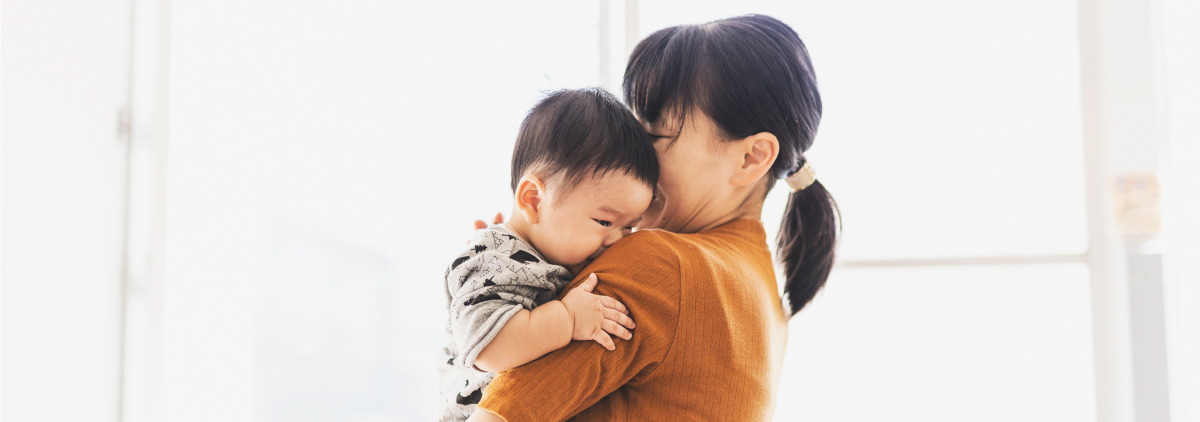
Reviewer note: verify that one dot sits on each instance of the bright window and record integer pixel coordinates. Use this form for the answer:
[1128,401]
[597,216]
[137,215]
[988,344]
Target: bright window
[914,125]
[970,343]
[326,161]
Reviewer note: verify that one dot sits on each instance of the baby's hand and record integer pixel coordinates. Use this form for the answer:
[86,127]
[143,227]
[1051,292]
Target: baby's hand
[594,317]
[480,225]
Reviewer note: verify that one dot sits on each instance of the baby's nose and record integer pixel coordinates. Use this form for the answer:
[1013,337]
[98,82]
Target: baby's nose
[613,237]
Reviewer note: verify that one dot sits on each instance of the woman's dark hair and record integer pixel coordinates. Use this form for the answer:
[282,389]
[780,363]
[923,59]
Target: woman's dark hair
[582,132]
[749,74]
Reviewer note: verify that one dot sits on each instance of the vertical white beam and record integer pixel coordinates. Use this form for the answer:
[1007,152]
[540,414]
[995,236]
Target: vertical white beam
[632,28]
[146,209]
[605,36]
[1110,310]
[125,136]
[618,36]
[1123,133]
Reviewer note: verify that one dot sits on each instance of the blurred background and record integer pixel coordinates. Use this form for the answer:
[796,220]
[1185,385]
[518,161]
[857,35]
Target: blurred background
[241,210]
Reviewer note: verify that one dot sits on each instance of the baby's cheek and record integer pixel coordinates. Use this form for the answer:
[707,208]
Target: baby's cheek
[568,248]
[582,247]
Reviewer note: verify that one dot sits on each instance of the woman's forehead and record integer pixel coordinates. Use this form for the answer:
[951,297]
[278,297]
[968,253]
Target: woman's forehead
[671,126]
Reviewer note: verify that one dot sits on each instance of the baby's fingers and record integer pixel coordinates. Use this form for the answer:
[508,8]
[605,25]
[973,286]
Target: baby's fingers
[480,225]
[589,284]
[620,318]
[616,330]
[609,302]
[605,341]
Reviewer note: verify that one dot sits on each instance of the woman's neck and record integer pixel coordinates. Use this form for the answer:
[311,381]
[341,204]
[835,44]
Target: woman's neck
[749,210]
[738,206]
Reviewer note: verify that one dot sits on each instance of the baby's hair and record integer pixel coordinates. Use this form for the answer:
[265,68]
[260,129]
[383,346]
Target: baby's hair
[577,133]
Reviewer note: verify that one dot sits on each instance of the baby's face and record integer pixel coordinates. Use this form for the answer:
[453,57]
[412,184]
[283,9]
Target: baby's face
[573,229]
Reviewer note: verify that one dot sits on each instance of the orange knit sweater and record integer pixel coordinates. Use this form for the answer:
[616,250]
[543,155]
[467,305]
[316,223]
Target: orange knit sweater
[708,345]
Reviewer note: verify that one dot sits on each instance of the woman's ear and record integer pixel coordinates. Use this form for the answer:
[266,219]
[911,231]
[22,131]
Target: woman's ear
[758,154]
[530,193]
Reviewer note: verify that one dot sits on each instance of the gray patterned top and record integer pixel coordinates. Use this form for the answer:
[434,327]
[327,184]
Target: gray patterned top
[495,278]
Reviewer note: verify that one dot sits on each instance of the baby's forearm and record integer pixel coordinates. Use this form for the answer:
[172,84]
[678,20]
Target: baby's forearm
[527,336]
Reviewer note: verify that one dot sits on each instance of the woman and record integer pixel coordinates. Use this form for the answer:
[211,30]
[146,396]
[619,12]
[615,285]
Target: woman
[731,105]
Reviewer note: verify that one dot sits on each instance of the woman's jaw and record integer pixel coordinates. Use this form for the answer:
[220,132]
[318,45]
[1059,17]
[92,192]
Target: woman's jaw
[700,183]
[703,215]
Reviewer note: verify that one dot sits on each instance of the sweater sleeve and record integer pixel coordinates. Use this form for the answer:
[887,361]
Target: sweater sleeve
[643,272]
[485,292]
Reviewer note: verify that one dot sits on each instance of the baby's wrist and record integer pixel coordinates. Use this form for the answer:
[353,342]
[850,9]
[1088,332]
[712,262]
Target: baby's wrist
[560,304]
[563,318]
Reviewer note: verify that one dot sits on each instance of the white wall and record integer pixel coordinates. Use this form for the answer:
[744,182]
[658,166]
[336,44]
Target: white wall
[61,192]
[292,169]
[1181,203]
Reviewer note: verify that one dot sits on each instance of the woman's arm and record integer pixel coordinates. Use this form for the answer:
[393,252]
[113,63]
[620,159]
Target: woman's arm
[639,272]
[581,315]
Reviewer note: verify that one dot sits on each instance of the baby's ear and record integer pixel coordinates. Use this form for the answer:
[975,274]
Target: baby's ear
[530,193]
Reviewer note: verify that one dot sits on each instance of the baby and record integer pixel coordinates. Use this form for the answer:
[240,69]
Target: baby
[583,171]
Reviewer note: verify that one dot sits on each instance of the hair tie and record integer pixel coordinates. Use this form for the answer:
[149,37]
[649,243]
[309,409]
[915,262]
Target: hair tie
[801,178]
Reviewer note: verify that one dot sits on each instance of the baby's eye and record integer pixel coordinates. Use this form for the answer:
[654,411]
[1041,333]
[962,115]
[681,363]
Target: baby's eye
[603,223]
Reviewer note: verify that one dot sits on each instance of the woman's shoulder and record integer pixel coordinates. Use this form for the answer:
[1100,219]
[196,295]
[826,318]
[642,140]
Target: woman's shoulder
[737,234]
[645,254]
[667,252]
[656,246]
[649,238]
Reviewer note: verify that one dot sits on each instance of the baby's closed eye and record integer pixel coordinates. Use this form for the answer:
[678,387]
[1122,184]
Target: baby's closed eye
[603,222]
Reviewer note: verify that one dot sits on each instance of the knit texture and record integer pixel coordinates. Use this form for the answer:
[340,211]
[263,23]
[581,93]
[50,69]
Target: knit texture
[708,345]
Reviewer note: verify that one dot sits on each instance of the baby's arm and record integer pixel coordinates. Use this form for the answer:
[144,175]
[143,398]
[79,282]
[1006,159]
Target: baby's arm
[580,315]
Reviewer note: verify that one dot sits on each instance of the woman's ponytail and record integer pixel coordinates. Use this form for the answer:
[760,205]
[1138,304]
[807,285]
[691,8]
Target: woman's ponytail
[807,238]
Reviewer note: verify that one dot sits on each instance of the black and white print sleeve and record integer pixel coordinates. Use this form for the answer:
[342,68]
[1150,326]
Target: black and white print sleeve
[495,278]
